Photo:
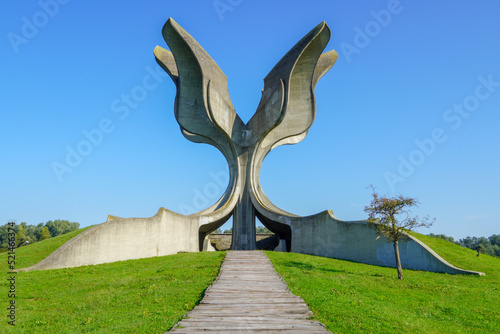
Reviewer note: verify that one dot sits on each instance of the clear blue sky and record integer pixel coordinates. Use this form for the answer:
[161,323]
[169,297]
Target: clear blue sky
[412,106]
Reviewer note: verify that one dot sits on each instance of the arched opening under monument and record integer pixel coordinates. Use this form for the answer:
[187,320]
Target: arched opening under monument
[265,238]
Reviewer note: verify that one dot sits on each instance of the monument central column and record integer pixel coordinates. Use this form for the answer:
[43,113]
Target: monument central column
[244,212]
[205,113]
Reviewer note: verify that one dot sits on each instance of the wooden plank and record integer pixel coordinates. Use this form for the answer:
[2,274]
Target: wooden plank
[249,296]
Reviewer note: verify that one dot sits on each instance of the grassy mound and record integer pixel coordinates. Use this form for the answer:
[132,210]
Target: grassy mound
[136,296]
[151,295]
[32,254]
[350,297]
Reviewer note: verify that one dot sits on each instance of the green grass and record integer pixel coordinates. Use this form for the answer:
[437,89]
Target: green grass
[34,253]
[152,295]
[350,297]
[136,296]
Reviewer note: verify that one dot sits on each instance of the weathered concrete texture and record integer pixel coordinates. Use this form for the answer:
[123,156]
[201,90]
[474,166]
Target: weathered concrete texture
[325,235]
[284,115]
[249,296]
[121,239]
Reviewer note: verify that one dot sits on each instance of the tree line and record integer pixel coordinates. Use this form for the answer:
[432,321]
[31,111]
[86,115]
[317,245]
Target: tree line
[28,234]
[258,229]
[490,245]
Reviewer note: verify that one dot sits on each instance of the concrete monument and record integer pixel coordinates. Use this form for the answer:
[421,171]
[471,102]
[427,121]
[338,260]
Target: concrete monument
[205,114]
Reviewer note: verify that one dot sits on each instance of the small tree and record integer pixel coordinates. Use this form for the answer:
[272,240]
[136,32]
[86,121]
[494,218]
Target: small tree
[45,233]
[391,217]
[480,249]
[21,234]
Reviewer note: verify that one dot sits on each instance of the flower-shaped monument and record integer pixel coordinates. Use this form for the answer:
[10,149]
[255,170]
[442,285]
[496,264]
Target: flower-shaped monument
[205,114]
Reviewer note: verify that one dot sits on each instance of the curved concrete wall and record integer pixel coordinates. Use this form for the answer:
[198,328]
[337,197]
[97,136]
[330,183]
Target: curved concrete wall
[168,233]
[324,235]
[122,239]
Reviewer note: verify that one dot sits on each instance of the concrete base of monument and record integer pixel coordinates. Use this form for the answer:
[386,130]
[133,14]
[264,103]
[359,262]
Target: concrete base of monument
[120,239]
[324,235]
[167,233]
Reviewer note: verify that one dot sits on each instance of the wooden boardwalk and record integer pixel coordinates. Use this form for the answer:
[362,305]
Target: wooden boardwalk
[249,296]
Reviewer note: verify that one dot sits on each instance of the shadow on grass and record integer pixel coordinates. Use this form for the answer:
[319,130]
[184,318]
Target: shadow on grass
[307,266]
